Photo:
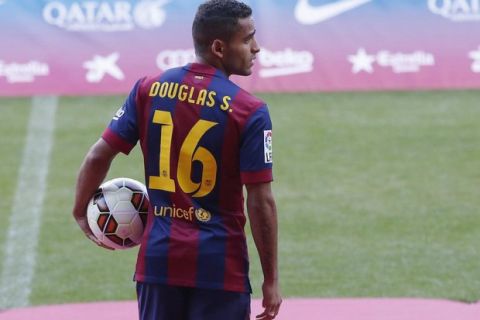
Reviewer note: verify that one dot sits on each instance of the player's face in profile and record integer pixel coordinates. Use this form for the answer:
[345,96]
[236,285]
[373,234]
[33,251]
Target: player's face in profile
[242,48]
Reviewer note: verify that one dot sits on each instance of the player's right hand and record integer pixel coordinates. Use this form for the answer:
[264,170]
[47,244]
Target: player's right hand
[271,301]
[83,224]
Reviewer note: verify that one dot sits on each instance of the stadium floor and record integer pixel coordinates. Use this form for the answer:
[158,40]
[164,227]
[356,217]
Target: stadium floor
[305,309]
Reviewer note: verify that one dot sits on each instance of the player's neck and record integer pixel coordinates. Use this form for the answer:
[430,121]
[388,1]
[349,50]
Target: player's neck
[214,63]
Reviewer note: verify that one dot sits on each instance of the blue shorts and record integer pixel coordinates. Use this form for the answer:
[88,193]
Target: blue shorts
[163,302]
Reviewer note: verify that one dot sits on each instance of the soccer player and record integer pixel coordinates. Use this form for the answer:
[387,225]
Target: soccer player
[203,138]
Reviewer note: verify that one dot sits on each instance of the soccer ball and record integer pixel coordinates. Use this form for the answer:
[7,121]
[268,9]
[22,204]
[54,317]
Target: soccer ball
[117,213]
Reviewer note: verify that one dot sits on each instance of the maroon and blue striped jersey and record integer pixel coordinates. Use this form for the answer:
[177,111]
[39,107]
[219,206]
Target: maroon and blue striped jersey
[202,139]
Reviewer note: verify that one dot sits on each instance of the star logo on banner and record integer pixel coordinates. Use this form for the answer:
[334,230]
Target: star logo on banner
[475,55]
[99,66]
[361,61]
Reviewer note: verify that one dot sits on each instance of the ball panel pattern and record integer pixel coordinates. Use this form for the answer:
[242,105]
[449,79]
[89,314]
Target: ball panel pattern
[117,213]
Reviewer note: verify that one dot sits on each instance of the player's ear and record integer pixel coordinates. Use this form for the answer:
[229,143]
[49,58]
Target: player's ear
[218,48]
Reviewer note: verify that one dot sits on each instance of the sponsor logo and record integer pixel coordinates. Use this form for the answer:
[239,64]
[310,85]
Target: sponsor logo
[305,13]
[267,146]
[398,61]
[274,64]
[16,72]
[174,58]
[99,66]
[189,214]
[405,62]
[285,62]
[105,16]
[150,14]
[475,56]
[456,10]
[361,61]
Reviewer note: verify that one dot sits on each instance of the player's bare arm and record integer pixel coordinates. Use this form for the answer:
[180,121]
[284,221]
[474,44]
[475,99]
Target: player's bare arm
[92,172]
[262,214]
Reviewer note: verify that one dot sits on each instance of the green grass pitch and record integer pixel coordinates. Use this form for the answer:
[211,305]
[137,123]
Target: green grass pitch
[377,194]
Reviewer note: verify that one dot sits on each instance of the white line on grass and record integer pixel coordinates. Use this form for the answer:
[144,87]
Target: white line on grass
[25,217]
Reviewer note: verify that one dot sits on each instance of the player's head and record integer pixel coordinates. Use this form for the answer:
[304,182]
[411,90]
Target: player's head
[223,35]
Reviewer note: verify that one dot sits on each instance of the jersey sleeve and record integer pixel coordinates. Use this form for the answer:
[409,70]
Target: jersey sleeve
[256,148]
[122,132]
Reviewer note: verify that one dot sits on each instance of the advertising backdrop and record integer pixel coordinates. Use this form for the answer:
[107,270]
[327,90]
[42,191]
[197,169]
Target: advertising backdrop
[103,46]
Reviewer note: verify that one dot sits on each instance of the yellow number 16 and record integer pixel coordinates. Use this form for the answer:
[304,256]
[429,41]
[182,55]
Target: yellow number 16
[188,153]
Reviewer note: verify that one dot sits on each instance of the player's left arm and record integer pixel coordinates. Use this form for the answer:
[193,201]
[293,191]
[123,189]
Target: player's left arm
[256,163]
[92,172]
[262,214]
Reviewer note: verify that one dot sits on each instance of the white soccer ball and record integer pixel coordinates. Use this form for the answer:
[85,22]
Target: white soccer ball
[117,213]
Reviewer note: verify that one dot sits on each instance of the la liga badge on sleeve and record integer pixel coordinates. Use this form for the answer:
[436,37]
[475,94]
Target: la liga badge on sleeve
[267,146]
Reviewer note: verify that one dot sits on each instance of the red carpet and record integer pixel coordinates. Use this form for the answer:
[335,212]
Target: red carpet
[292,309]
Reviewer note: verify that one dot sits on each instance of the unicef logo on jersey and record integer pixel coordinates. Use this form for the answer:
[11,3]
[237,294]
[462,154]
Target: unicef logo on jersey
[108,16]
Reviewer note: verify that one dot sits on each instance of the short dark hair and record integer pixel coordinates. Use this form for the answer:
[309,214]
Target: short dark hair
[217,19]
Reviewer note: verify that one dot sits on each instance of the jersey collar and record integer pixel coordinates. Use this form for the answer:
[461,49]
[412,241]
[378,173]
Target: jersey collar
[205,69]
